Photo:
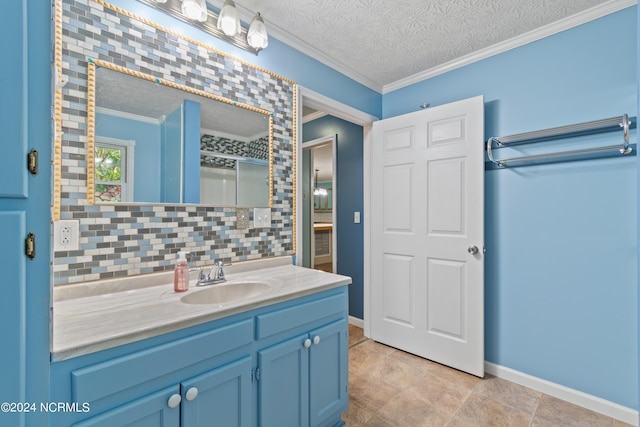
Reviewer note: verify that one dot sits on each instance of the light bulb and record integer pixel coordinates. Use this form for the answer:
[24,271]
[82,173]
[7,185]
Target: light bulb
[195,9]
[257,36]
[228,20]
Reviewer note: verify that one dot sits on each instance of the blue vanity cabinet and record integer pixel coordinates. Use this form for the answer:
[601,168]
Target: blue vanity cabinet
[185,378]
[279,365]
[303,379]
[222,396]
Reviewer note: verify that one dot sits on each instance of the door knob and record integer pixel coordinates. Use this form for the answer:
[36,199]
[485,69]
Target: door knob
[191,394]
[307,343]
[316,340]
[473,249]
[174,401]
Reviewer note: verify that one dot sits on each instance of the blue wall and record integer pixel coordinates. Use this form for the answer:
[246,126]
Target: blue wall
[561,277]
[349,176]
[146,176]
[191,161]
[171,188]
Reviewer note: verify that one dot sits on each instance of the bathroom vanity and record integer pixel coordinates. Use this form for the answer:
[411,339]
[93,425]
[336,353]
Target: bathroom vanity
[144,356]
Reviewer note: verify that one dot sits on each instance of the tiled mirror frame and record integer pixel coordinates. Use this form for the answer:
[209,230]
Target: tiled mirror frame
[126,240]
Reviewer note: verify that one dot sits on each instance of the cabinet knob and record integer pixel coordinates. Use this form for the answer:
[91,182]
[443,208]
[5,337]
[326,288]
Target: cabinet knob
[316,340]
[191,394]
[174,401]
[307,343]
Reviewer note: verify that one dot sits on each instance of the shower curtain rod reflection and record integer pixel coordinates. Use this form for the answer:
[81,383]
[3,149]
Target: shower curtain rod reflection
[623,123]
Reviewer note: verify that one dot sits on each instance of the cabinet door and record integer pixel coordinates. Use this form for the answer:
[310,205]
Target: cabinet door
[328,376]
[220,397]
[284,384]
[25,200]
[149,411]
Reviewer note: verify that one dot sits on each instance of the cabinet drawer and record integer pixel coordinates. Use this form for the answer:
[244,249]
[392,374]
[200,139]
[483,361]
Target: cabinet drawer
[282,320]
[97,381]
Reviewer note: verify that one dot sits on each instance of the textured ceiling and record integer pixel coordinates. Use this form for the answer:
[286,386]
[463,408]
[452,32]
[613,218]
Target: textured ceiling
[382,42]
[128,94]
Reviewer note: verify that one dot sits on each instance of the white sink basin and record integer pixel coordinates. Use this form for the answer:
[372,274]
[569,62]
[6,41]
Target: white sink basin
[226,292]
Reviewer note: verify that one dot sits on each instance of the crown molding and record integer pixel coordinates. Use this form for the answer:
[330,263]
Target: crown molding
[588,15]
[583,17]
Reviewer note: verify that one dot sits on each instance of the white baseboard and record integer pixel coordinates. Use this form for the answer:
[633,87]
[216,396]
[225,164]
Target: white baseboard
[356,322]
[596,404]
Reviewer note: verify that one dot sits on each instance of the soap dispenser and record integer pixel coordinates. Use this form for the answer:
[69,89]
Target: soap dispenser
[181,273]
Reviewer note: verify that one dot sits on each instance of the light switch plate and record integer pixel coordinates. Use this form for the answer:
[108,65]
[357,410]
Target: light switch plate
[66,235]
[356,217]
[261,217]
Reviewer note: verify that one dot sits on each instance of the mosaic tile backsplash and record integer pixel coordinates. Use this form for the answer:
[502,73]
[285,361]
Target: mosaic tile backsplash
[125,240]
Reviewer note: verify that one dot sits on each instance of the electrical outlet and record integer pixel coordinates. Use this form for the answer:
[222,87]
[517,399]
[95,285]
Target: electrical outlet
[66,235]
[261,217]
[356,217]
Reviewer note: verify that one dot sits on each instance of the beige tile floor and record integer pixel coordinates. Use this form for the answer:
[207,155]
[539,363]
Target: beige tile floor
[388,387]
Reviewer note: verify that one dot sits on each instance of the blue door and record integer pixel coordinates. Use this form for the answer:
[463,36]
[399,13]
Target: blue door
[160,409]
[25,103]
[328,373]
[220,397]
[284,384]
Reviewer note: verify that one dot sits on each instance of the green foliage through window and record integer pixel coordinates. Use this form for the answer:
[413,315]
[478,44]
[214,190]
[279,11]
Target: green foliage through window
[108,164]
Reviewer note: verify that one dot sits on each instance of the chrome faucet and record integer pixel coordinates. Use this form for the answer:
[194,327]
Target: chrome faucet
[214,275]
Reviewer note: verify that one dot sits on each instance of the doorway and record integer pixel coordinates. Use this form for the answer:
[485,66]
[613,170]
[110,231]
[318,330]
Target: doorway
[320,203]
[352,146]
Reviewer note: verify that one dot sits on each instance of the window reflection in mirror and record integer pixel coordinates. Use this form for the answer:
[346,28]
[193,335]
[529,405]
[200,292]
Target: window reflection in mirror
[175,146]
[114,180]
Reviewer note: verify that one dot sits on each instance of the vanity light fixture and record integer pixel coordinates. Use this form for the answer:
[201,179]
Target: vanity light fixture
[257,36]
[225,26]
[228,20]
[319,191]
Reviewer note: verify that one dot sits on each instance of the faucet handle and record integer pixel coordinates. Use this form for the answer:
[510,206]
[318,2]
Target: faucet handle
[219,271]
[202,275]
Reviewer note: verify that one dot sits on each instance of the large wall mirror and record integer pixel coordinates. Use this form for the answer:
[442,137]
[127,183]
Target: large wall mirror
[159,142]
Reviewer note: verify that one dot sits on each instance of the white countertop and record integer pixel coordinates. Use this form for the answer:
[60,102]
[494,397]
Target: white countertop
[98,315]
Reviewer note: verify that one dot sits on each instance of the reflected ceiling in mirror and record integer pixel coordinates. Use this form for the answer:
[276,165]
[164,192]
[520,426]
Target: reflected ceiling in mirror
[160,142]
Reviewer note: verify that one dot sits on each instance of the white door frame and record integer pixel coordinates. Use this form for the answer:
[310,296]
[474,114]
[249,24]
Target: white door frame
[338,109]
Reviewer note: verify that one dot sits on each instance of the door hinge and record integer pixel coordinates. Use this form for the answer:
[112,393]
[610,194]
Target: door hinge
[30,245]
[255,374]
[32,161]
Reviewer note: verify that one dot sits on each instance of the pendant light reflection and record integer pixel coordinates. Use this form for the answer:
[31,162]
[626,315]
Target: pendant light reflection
[195,9]
[228,20]
[257,36]
[318,191]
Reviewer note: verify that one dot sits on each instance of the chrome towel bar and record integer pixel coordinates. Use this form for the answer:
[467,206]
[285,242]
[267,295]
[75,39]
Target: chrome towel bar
[597,126]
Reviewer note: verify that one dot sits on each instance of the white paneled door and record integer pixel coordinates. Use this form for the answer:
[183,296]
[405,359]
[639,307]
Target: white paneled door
[427,235]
